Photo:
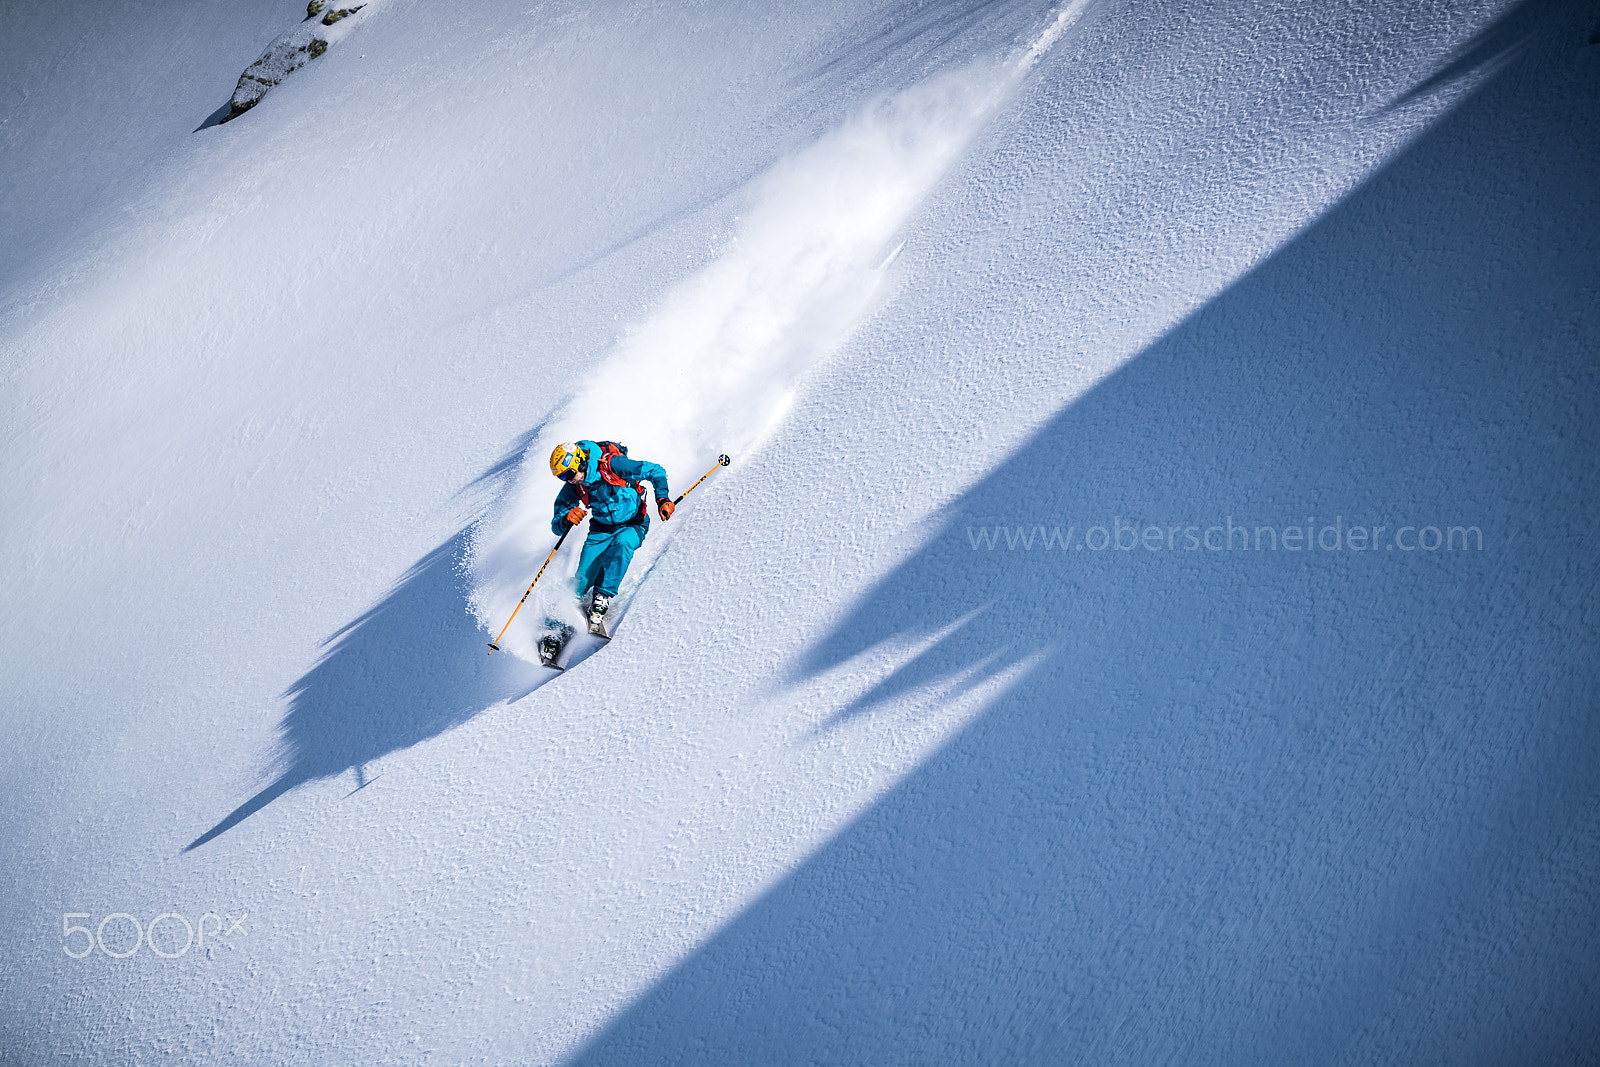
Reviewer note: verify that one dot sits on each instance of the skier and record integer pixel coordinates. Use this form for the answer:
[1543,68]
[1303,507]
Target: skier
[602,480]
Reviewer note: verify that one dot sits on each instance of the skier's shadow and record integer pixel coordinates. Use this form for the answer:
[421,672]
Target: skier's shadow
[410,668]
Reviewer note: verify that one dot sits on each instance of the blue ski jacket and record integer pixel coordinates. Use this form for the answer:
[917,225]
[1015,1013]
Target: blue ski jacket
[610,506]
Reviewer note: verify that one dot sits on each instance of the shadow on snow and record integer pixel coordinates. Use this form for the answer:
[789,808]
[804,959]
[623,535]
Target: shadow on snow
[409,669]
[1253,806]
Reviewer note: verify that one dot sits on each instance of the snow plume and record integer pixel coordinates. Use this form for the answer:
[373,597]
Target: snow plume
[717,362]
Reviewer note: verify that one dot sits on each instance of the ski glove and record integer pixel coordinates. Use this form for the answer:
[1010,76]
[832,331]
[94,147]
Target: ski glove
[576,515]
[666,507]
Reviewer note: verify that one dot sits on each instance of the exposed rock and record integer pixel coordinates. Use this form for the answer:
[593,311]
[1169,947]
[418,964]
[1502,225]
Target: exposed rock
[289,53]
[283,57]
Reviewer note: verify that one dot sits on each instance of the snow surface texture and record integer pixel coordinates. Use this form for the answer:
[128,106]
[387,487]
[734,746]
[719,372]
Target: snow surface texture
[715,365]
[844,788]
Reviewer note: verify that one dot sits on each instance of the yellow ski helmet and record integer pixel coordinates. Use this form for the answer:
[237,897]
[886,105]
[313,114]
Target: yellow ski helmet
[567,460]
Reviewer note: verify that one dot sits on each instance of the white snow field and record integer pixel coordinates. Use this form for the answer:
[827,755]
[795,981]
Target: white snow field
[1003,702]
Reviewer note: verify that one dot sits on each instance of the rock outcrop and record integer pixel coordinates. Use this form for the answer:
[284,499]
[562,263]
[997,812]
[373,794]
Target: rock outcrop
[292,51]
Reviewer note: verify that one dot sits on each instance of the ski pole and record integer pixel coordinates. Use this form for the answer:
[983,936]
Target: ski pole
[494,646]
[722,461]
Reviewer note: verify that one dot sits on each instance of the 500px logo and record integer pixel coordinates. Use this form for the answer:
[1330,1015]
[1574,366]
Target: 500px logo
[164,944]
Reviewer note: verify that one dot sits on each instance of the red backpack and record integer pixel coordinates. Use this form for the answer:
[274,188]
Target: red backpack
[607,450]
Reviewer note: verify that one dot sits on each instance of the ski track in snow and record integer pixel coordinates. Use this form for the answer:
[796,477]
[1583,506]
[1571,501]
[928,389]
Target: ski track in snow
[716,364]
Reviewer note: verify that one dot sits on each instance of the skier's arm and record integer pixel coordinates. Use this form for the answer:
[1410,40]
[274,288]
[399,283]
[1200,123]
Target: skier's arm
[566,500]
[634,470]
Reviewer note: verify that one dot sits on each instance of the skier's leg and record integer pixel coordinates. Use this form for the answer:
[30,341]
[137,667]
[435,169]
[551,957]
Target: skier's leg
[612,562]
[610,566]
[590,562]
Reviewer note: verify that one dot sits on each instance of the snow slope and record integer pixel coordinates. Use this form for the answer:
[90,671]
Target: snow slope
[844,788]
[716,362]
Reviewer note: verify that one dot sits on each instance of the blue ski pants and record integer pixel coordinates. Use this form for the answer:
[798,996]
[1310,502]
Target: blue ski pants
[606,556]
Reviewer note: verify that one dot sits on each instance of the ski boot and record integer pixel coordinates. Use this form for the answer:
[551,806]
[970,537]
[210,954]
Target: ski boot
[551,644]
[597,615]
